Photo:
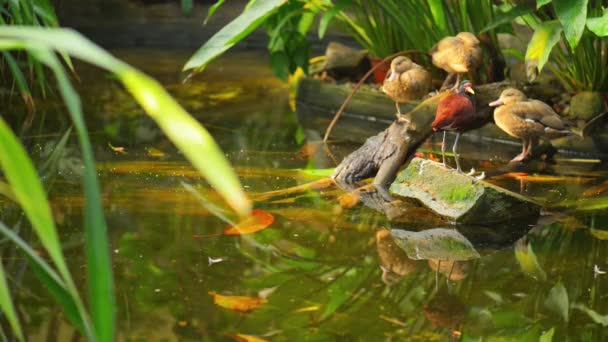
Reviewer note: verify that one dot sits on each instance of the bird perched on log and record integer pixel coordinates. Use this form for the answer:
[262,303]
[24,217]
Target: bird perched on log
[456,112]
[406,81]
[528,120]
[457,55]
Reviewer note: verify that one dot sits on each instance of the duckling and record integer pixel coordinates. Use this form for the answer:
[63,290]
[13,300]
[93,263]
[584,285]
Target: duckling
[527,119]
[406,81]
[457,55]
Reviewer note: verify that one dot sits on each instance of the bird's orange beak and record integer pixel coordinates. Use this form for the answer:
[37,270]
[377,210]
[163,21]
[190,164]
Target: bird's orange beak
[496,103]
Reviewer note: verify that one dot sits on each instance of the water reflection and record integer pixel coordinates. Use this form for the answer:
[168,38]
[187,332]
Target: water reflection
[325,262]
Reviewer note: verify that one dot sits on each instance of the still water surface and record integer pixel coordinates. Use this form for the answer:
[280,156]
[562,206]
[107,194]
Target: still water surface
[318,266]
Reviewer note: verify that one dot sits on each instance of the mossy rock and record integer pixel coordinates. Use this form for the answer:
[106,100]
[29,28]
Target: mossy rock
[458,197]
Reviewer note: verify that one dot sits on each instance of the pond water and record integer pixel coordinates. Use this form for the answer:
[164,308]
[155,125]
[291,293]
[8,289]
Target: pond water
[318,266]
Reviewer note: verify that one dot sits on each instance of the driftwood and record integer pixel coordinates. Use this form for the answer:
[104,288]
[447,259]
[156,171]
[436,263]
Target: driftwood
[383,154]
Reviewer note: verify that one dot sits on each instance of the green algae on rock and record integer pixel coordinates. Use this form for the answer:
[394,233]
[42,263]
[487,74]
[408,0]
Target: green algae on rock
[458,197]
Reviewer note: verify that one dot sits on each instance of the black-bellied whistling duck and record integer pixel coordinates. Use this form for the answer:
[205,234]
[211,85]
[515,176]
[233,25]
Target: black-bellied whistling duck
[527,120]
[457,55]
[406,81]
[456,112]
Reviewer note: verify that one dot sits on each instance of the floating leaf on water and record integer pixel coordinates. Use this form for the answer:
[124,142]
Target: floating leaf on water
[154,152]
[245,338]
[393,321]
[117,149]
[527,260]
[237,303]
[436,243]
[308,309]
[596,190]
[557,301]
[258,220]
[349,199]
[596,317]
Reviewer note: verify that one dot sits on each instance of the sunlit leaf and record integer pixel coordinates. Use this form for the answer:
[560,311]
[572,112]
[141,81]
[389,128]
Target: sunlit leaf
[596,317]
[527,260]
[258,220]
[237,303]
[547,336]
[572,15]
[544,39]
[541,3]
[245,338]
[232,33]
[599,26]
[557,301]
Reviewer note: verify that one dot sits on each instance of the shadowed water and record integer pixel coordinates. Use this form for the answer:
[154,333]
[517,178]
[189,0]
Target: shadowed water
[319,264]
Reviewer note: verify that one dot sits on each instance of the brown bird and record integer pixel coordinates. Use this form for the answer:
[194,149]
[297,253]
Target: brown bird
[456,112]
[527,119]
[457,55]
[406,81]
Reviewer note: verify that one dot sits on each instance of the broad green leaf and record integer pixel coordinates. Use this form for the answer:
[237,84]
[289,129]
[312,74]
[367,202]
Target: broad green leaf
[329,15]
[547,336]
[7,307]
[596,317]
[572,14]
[599,26]
[557,301]
[508,17]
[540,46]
[232,33]
[212,10]
[527,260]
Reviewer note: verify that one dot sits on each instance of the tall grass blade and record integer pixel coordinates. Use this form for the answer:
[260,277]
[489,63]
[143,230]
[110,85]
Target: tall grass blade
[28,191]
[99,269]
[6,304]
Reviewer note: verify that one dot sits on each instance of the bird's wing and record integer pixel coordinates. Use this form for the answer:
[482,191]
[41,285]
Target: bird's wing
[451,109]
[538,111]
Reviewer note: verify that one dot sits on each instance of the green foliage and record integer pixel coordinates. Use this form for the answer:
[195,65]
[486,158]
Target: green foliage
[381,27]
[581,62]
